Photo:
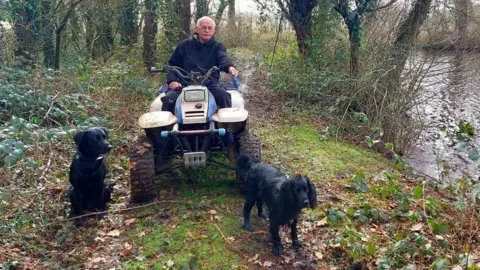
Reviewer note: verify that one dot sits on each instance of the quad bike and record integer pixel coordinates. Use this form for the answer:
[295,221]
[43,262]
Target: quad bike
[194,133]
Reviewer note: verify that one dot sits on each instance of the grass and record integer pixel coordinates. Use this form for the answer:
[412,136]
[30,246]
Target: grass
[369,212]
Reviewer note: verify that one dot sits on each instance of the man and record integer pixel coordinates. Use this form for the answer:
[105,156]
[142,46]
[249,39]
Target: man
[199,53]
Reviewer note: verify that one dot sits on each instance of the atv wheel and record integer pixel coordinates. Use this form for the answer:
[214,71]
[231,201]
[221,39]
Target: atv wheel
[142,170]
[249,144]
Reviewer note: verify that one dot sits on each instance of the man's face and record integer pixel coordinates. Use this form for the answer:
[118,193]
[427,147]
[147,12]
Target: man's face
[205,30]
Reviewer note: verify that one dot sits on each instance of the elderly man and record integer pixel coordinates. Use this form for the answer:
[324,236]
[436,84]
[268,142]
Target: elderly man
[199,53]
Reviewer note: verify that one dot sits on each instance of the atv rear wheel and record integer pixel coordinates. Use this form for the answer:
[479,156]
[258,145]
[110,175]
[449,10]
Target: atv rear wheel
[142,170]
[247,143]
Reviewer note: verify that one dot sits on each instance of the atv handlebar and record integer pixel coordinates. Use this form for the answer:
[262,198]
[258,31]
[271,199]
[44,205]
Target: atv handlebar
[193,76]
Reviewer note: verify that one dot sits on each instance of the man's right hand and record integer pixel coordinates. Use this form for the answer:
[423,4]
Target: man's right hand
[175,85]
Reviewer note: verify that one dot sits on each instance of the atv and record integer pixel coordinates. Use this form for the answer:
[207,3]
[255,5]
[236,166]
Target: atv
[194,133]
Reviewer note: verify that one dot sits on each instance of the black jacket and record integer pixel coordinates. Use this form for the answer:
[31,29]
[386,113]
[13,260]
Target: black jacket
[192,55]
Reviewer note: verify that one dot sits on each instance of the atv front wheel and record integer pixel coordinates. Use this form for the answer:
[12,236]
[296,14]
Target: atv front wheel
[142,170]
[249,144]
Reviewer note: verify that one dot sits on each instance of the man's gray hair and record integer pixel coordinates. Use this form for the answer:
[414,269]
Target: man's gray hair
[204,18]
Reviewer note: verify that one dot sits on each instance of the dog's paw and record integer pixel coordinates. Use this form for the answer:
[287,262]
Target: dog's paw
[248,227]
[277,250]
[263,215]
[297,243]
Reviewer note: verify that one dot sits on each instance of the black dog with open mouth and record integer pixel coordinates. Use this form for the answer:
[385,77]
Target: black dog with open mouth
[285,198]
[87,173]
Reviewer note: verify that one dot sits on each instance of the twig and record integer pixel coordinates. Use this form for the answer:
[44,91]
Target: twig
[51,106]
[224,238]
[106,212]
[276,40]
[48,163]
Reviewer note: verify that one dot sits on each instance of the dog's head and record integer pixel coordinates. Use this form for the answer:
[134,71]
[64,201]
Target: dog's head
[92,142]
[302,192]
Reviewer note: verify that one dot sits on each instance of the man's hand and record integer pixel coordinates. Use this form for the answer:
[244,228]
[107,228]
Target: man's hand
[175,85]
[232,71]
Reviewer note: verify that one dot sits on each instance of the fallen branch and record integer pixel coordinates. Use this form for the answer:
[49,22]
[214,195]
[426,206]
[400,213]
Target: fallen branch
[51,106]
[224,238]
[106,212]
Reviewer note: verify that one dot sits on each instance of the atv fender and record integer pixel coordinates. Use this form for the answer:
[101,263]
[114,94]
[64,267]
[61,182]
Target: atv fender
[156,105]
[230,115]
[157,119]
[237,99]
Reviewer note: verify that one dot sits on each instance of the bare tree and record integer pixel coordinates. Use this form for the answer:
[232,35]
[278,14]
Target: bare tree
[231,16]
[221,8]
[128,22]
[149,32]
[352,19]
[201,9]
[26,30]
[299,14]
[59,30]
[48,26]
[186,15]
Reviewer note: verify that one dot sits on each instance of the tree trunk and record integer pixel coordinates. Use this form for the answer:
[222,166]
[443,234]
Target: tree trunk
[128,22]
[171,13]
[461,23]
[299,13]
[47,34]
[232,26]
[103,41]
[407,34]
[221,8]
[303,34]
[26,32]
[353,24]
[149,33]
[202,9]
[186,15]
[59,30]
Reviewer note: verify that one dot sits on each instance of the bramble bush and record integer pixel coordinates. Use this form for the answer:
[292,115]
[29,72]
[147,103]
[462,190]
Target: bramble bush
[30,116]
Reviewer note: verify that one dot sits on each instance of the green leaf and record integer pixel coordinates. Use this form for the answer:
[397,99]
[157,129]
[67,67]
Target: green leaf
[18,154]
[418,192]
[474,155]
[19,145]
[371,248]
[10,160]
[438,228]
[369,141]
[462,146]
[350,212]
[31,163]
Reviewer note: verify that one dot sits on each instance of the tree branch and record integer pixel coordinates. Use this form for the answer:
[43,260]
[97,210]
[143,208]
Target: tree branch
[381,7]
[64,21]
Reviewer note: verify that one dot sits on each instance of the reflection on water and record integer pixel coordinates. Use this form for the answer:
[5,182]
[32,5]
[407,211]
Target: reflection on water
[451,92]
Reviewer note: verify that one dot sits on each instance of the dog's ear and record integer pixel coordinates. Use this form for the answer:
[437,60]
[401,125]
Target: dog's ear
[312,193]
[78,137]
[287,192]
[105,130]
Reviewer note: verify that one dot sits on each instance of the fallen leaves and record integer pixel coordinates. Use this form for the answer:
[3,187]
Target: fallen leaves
[114,233]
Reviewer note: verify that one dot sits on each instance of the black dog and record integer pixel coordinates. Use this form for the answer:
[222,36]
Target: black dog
[285,199]
[87,173]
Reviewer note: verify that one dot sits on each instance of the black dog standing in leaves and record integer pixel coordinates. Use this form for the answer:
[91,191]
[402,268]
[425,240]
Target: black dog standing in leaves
[284,198]
[87,173]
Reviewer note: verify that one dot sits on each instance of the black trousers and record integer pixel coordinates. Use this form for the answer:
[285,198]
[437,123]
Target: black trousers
[222,98]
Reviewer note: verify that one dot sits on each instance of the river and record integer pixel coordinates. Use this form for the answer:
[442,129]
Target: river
[450,92]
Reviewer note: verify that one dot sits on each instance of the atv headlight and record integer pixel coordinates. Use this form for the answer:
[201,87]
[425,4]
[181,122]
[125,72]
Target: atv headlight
[194,95]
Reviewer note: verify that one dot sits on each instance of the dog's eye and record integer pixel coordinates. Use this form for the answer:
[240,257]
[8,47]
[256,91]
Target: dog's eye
[98,138]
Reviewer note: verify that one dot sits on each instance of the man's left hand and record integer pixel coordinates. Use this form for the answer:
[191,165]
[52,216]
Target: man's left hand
[232,71]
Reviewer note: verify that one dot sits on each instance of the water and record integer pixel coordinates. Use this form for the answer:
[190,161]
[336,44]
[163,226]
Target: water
[450,92]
